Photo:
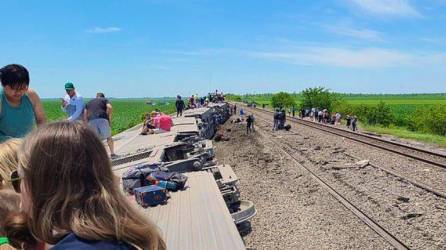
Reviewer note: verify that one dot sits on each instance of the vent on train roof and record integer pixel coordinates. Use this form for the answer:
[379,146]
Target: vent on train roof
[130,158]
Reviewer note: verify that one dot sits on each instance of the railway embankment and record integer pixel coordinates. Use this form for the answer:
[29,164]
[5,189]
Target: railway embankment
[295,212]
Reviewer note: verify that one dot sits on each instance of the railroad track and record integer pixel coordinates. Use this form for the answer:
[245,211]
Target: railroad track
[375,226]
[419,154]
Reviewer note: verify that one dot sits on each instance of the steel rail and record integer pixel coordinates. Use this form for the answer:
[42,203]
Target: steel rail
[391,239]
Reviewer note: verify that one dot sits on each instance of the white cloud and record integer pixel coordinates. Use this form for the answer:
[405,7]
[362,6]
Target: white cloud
[352,58]
[401,8]
[364,34]
[100,30]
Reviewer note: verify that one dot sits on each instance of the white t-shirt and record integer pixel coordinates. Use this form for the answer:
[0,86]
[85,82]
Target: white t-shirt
[74,107]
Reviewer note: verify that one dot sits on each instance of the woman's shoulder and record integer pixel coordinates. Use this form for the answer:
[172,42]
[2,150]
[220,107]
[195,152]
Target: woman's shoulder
[72,242]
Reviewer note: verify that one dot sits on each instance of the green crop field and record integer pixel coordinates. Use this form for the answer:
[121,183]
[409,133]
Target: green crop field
[126,112]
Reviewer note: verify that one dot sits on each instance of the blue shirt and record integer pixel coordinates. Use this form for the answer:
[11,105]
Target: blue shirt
[72,242]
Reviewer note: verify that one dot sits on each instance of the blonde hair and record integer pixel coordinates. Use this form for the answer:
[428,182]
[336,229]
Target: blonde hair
[8,160]
[72,189]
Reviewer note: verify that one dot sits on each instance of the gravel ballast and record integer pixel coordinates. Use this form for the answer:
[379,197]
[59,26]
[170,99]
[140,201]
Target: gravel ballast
[293,211]
[415,216]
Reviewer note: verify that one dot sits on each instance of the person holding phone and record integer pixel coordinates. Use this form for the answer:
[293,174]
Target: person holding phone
[72,103]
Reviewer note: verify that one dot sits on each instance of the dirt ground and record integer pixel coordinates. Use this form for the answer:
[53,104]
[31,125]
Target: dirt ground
[293,211]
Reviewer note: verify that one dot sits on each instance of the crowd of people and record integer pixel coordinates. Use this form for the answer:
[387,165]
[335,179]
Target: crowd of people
[57,188]
[280,120]
[318,115]
[195,101]
[335,118]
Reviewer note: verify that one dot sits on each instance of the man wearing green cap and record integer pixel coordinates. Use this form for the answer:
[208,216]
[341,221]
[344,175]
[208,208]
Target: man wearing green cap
[72,103]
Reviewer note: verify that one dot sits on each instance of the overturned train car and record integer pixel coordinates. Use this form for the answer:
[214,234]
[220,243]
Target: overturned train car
[209,212]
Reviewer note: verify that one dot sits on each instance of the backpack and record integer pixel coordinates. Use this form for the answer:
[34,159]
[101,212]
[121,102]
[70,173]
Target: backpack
[178,178]
[135,177]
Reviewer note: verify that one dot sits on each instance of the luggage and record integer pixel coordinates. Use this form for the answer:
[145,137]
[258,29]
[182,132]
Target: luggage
[178,178]
[169,185]
[135,177]
[150,195]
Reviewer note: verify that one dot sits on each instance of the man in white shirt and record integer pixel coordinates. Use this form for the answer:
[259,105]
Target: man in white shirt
[72,103]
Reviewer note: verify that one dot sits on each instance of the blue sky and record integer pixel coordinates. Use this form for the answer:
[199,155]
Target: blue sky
[139,48]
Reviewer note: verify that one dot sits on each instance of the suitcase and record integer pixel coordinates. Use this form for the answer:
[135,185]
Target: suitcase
[135,176]
[150,195]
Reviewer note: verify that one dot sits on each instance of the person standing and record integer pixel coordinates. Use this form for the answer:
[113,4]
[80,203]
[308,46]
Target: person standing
[179,104]
[98,114]
[354,123]
[320,115]
[276,118]
[20,106]
[72,103]
[282,119]
[242,113]
[249,122]
[349,120]
[338,118]
[192,102]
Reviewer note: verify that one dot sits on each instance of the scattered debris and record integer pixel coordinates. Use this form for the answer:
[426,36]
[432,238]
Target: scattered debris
[403,199]
[363,163]
[411,216]
[338,150]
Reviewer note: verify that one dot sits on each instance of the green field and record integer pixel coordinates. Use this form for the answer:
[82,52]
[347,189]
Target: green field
[126,112]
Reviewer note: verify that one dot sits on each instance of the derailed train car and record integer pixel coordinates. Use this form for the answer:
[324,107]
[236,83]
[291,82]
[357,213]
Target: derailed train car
[200,215]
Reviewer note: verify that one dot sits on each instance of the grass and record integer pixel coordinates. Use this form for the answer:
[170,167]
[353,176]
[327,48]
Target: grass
[126,112]
[407,134]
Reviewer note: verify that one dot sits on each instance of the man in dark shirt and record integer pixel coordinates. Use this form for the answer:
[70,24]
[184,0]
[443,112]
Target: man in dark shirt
[97,114]
[179,104]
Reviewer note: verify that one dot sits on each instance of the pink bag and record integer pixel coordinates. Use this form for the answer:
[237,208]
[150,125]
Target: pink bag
[165,122]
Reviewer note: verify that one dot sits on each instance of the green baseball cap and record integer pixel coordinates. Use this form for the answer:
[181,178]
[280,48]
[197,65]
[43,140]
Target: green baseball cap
[69,86]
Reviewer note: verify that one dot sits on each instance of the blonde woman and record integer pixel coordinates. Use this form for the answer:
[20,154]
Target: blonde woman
[71,196]
[14,231]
